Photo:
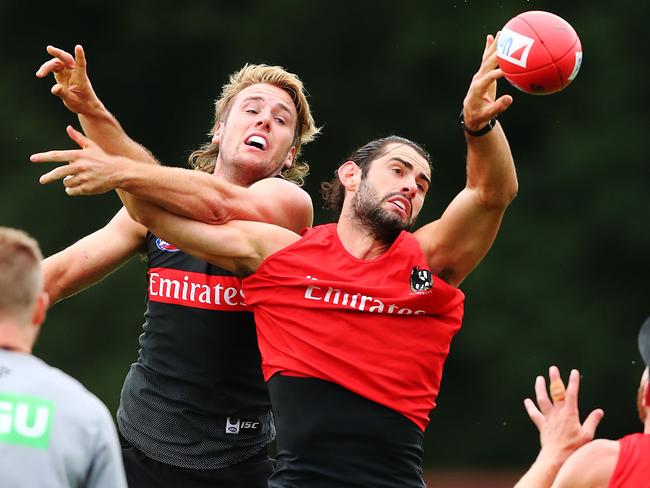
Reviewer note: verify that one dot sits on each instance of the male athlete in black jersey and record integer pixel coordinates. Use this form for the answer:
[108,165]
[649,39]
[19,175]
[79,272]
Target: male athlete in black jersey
[194,408]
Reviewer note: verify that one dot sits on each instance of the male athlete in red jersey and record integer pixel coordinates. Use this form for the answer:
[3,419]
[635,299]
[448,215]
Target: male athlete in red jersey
[355,319]
[569,458]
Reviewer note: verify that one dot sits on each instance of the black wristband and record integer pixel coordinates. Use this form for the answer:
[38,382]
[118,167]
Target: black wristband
[477,133]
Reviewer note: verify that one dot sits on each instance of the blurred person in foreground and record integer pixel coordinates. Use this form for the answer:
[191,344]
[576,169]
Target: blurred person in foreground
[194,409]
[53,432]
[569,457]
[355,319]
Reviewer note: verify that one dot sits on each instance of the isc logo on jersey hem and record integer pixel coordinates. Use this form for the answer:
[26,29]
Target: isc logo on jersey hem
[235,425]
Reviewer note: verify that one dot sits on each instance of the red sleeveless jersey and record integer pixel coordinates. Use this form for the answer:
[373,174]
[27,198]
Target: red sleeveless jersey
[380,328]
[633,465]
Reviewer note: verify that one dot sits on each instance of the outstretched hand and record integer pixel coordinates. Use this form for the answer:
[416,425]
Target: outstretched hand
[90,171]
[72,82]
[480,104]
[558,419]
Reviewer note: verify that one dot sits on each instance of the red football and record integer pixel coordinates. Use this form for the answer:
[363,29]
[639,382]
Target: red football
[539,52]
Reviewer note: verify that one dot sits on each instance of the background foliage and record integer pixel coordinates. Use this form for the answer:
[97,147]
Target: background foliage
[566,282]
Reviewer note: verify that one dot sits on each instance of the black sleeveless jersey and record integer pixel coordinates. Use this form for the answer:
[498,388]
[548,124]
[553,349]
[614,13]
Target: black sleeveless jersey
[196,397]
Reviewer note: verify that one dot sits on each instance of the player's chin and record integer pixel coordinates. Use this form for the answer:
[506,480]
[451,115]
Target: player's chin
[394,211]
[400,218]
[257,163]
[397,221]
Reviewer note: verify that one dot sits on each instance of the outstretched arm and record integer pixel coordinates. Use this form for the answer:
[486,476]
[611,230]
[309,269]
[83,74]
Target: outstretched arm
[193,194]
[458,241]
[213,200]
[238,246]
[560,430]
[73,87]
[92,258]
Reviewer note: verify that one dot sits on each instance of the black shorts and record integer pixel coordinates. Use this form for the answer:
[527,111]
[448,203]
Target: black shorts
[144,472]
[329,437]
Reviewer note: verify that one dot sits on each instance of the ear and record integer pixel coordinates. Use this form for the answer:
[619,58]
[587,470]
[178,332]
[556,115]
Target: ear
[40,308]
[288,162]
[350,175]
[646,394]
[218,129]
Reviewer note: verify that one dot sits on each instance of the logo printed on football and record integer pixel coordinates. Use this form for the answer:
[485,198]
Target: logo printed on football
[539,52]
[514,47]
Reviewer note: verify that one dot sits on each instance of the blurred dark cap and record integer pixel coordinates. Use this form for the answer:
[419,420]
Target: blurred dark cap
[644,341]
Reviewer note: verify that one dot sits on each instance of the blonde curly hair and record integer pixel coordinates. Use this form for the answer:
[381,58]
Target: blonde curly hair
[204,158]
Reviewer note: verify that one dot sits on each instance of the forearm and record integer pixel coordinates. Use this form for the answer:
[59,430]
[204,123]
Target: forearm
[61,281]
[55,283]
[204,197]
[157,220]
[138,209]
[225,246]
[491,169]
[542,473]
[192,194]
[73,270]
[103,128]
[92,258]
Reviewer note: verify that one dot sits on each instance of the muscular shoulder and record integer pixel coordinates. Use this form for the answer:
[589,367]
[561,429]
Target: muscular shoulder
[283,203]
[590,466]
[283,190]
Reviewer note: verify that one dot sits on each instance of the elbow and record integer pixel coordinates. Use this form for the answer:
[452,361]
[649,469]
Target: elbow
[499,197]
[511,187]
[215,218]
[52,285]
[511,191]
[214,213]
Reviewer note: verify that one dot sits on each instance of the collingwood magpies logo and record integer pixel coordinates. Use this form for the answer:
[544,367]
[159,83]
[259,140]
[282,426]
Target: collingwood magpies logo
[421,279]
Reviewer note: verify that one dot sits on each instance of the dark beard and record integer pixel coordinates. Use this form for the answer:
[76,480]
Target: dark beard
[381,224]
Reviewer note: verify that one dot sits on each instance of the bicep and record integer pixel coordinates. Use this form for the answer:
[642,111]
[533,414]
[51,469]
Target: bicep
[93,257]
[456,243]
